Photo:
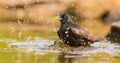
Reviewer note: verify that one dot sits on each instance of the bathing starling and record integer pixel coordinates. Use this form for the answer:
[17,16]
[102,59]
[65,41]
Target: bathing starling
[74,35]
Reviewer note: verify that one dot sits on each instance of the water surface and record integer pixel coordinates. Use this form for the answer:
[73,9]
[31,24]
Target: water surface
[44,46]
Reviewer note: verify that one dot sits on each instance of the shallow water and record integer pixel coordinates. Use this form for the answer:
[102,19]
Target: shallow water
[45,51]
[41,46]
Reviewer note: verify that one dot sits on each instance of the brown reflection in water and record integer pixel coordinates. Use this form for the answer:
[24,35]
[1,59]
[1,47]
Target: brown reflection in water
[92,58]
[23,56]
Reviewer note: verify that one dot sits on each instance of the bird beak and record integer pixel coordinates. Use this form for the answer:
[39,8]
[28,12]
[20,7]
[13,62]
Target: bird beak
[56,17]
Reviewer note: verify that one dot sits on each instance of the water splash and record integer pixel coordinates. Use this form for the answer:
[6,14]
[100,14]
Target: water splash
[19,22]
[107,47]
[36,44]
[40,45]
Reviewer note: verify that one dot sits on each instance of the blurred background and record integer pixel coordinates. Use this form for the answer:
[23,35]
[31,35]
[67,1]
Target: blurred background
[28,18]
[24,24]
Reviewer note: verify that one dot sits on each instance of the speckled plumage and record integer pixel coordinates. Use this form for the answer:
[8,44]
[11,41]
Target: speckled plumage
[74,35]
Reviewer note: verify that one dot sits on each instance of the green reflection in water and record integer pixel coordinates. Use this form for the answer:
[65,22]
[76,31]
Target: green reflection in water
[15,55]
[19,55]
[8,55]
[27,35]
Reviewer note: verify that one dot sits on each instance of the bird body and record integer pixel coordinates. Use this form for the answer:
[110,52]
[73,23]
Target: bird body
[74,35]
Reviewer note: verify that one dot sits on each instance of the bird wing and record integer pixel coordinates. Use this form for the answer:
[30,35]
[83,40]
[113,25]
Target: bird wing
[85,34]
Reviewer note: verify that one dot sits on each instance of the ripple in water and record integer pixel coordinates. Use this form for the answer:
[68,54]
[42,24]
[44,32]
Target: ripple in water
[40,45]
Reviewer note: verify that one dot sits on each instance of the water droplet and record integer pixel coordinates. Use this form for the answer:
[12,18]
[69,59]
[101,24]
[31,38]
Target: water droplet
[12,28]
[28,38]
[54,29]
[73,4]
[19,34]
[6,7]
[19,22]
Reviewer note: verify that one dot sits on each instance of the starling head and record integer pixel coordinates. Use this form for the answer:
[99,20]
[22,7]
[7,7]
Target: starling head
[64,18]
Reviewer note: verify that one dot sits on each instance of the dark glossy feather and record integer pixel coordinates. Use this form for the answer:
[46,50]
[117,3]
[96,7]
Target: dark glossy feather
[74,35]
